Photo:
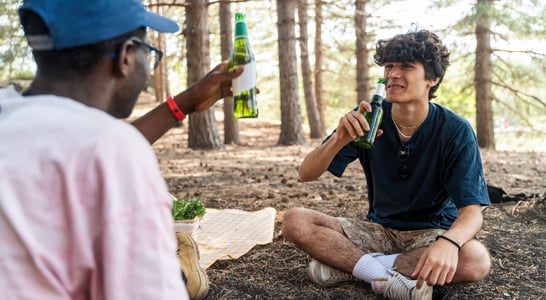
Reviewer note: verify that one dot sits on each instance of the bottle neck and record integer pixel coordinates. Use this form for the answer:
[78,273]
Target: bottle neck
[376,100]
[377,97]
[240,29]
[240,25]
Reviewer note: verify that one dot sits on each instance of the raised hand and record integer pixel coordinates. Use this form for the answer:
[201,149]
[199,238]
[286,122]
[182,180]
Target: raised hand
[204,93]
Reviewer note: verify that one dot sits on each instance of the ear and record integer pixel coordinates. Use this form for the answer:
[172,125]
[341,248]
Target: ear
[434,81]
[124,61]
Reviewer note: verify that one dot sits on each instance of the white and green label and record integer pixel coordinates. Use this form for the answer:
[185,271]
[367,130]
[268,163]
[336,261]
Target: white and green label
[247,80]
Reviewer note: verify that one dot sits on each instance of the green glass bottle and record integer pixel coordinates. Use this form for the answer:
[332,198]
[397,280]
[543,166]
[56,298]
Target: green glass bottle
[374,117]
[245,104]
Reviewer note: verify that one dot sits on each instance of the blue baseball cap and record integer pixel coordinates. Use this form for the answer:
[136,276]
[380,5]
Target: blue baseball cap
[73,23]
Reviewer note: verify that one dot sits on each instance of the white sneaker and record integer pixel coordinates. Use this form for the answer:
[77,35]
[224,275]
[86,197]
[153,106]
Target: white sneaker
[325,275]
[399,287]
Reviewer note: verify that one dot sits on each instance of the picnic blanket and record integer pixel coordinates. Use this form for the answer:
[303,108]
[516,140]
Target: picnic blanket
[230,233]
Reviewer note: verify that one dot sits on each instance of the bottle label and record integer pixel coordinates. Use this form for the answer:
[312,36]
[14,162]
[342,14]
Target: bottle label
[380,89]
[247,80]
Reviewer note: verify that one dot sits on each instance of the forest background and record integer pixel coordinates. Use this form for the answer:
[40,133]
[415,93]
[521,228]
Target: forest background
[314,64]
[496,80]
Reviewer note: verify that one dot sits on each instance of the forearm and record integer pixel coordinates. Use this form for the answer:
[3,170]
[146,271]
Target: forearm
[467,225]
[318,160]
[155,123]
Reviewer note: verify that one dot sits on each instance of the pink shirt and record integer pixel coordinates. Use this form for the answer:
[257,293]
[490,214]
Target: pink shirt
[84,210]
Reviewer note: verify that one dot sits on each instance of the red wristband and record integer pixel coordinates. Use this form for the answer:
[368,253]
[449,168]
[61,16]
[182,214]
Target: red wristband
[177,112]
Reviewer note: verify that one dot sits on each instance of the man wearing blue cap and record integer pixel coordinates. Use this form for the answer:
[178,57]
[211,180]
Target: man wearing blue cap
[84,210]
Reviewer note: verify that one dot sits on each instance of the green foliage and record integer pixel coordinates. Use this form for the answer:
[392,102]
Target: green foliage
[458,99]
[527,21]
[188,209]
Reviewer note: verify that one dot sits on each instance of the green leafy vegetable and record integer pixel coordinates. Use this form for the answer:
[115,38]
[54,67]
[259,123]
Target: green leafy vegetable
[188,209]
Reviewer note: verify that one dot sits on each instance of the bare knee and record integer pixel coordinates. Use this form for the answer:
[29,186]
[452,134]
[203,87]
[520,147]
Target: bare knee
[474,262]
[476,272]
[300,224]
[292,220]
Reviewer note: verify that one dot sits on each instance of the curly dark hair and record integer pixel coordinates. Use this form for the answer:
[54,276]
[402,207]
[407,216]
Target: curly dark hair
[74,61]
[419,46]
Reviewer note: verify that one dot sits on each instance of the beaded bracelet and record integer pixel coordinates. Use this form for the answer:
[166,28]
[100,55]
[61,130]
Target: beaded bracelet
[449,240]
[175,109]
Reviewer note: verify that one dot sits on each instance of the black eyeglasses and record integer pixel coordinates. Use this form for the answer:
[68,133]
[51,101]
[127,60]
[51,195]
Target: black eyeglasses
[403,156]
[154,54]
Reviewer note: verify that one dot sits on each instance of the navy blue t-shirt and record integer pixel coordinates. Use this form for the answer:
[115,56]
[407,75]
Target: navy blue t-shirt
[423,188]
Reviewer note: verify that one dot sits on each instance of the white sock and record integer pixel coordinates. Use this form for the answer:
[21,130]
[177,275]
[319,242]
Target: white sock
[387,260]
[367,268]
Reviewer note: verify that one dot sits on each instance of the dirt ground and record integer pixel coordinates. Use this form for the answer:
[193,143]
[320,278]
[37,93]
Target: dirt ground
[260,174]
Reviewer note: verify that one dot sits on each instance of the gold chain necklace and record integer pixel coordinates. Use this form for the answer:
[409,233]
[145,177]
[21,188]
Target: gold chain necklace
[407,137]
[403,126]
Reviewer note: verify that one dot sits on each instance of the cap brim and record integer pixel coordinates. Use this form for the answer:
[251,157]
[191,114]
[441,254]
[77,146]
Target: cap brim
[160,23]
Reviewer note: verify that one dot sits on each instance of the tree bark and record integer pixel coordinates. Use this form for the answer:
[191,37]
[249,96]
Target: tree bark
[231,126]
[310,101]
[203,131]
[362,67]
[319,96]
[483,72]
[159,77]
[291,125]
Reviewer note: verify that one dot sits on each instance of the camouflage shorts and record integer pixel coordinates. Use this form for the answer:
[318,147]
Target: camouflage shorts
[372,237]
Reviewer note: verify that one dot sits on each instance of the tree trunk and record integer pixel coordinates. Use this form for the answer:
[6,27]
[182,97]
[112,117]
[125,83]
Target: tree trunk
[231,126]
[159,86]
[483,76]
[159,77]
[318,65]
[203,131]
[310,101]
[291,128]
[164,68]
[362,68]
